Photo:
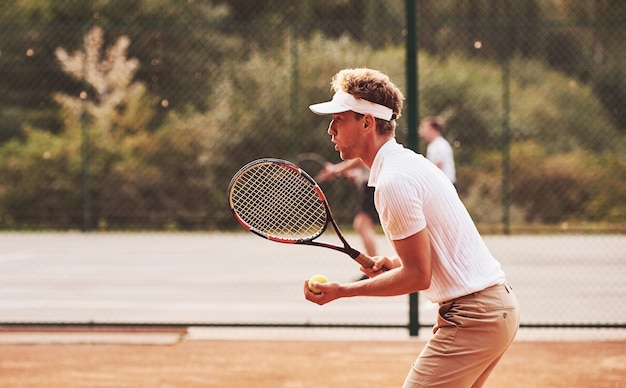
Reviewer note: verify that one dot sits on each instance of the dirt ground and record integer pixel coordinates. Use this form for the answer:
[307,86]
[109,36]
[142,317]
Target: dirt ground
[293,364]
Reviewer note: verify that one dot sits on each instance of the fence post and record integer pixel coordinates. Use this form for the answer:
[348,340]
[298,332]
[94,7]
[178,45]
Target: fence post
[294,82]
[412,89]
[506,147]
[85,148]
[412,109]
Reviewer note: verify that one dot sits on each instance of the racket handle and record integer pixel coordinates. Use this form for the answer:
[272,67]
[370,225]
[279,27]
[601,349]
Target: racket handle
[366,261]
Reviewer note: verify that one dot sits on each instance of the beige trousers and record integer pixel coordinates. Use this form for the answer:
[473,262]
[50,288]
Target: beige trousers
[471,335]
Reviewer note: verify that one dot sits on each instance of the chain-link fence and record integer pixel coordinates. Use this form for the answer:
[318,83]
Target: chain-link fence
[133,115]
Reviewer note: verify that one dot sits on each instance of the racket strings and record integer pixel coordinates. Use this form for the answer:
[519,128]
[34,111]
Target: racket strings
[279,202]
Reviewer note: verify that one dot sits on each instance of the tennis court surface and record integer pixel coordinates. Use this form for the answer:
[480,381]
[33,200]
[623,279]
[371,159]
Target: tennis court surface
[219,278]
[166,359]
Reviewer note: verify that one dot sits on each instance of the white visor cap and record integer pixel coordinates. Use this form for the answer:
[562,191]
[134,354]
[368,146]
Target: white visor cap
[343,102]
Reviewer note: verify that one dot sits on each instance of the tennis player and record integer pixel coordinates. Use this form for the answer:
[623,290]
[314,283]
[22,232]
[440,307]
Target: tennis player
[439,250]
[439,151]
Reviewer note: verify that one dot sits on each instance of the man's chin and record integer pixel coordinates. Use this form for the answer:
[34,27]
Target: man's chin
[343,154]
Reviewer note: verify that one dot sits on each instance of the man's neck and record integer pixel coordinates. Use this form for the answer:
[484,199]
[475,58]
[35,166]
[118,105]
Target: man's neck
[373,148]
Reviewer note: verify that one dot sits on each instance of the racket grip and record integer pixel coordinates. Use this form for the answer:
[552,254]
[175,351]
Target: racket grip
[366,261]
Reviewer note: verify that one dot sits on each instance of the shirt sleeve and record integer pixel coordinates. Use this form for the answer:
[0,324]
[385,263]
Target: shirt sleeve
[400,200]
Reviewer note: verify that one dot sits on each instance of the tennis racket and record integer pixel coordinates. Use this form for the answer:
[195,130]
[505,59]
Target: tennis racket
[277,200]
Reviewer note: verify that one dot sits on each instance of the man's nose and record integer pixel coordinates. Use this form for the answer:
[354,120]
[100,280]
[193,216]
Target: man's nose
[331,127]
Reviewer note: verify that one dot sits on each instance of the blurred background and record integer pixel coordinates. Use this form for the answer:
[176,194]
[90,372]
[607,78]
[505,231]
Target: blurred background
[133,115]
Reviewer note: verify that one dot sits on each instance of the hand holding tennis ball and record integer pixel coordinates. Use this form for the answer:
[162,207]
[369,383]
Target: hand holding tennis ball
[317,279]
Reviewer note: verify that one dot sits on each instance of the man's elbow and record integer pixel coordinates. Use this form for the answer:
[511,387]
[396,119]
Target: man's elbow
[424,282]
[421,281]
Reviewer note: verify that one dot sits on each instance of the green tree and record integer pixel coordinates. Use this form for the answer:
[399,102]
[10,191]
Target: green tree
[28,72]
[374,22]
[41,177]
[179,44]
[114,103]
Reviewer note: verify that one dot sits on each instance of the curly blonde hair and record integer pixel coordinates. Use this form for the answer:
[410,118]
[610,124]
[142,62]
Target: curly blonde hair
[373,86]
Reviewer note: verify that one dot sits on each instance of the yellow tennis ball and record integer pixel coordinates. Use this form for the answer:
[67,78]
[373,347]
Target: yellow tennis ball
[317,279]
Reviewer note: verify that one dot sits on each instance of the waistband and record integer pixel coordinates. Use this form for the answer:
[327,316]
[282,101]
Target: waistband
[504,285]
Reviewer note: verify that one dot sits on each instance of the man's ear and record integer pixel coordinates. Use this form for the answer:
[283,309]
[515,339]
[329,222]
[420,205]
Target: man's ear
[369,121]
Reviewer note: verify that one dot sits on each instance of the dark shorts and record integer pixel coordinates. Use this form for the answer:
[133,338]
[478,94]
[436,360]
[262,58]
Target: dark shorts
[367,202]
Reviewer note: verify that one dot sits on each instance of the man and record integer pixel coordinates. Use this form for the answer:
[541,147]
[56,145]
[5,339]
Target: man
[439,250]
[438,150]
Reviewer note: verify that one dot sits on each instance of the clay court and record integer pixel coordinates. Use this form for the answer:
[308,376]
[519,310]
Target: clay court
[175,362]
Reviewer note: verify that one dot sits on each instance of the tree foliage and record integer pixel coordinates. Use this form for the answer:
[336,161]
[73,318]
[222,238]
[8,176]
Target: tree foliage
[114,104]
[173,97]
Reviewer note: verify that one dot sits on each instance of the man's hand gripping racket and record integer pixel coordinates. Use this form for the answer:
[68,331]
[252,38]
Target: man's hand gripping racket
[277,200]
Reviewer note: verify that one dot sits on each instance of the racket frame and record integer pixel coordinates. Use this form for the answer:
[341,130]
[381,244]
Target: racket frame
[347,249]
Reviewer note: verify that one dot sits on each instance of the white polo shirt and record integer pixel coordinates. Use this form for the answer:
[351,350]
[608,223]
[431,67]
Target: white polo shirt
[413,194]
